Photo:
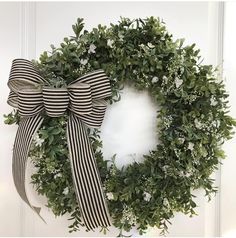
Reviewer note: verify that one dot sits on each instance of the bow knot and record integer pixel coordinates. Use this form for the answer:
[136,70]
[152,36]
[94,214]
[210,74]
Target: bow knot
[84,98]
[55,101]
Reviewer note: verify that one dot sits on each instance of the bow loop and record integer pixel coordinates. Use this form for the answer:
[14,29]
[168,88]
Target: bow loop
[30,102]
[13,99]
[100,89]
[24,74]
[99,83]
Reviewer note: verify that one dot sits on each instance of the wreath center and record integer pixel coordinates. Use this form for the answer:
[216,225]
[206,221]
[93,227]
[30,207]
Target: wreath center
[129,127]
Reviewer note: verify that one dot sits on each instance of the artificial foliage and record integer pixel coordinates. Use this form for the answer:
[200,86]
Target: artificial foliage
[192,123]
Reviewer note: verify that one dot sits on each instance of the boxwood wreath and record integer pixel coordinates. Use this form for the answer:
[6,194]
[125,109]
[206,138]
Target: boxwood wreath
[192,123]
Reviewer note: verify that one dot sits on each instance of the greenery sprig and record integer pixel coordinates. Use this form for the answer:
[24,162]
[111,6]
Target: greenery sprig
[192,123]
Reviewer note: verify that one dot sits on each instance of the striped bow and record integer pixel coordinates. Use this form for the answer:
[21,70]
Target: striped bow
[85,100]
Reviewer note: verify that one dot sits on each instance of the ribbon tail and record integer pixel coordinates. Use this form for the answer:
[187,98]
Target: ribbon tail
[24,136]
[86,177]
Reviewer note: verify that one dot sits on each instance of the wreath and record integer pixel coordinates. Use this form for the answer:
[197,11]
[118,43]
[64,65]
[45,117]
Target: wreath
[192,123]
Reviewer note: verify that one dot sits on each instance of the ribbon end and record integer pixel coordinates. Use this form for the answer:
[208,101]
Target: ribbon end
[37,210]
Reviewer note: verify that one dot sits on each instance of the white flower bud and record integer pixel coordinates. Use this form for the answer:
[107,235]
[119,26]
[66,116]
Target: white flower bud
[150,45]
[110,43]
[178,82]
[190,146]
[213,102]
[92,48]
[110,196]
[147,196]
[37,140]
[83,61]
[66,191]
[155,79]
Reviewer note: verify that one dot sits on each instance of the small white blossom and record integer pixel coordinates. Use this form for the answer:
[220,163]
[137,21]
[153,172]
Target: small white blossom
[198,124]
[147,196]
[167,121]
[188,174]
[83,61]
[213,102]
[110,43]
[128,216]
[163,38]
[110,196]
[178,82]
[66,191]
[216,123]
[38,141]
[142,45]
[192,98]
[177,152]
[190,146]
[165,79]
[166,202]
[181,140]
[92,48]
[150,45]
[59,175]
[181,174]
[154,79]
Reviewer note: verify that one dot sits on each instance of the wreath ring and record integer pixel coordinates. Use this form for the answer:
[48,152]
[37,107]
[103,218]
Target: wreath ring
[193,122]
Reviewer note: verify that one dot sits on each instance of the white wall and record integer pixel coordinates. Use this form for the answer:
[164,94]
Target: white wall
[228,175]
[28,29]
[10,47]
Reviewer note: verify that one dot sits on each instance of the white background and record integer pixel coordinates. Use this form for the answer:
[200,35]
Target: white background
[27,29]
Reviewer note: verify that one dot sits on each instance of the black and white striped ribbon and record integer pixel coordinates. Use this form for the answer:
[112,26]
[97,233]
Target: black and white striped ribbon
[85,100]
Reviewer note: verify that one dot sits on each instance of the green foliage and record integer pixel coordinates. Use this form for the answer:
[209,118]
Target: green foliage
[192,123]
[12,118]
